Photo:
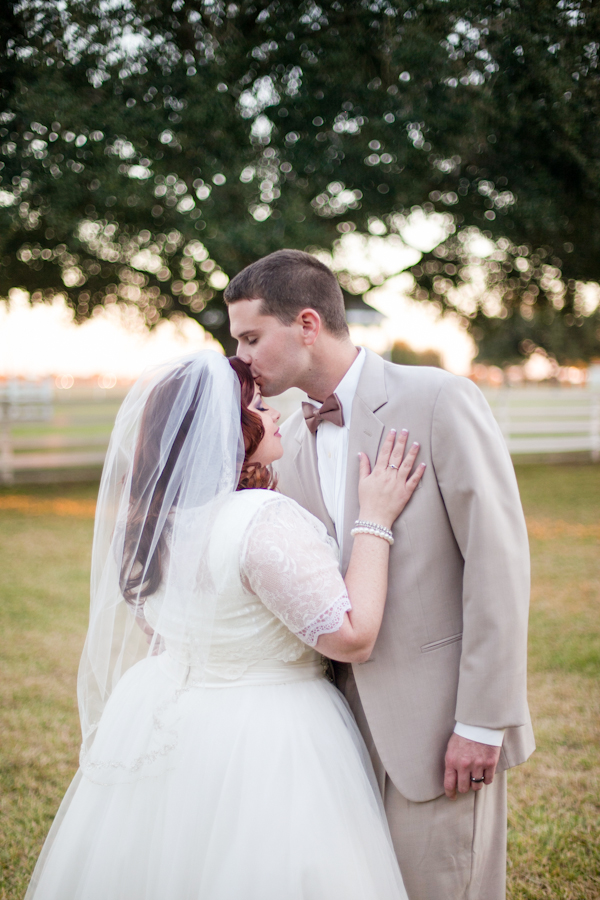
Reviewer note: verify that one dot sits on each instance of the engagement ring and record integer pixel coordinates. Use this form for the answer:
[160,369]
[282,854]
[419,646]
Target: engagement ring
[392,467]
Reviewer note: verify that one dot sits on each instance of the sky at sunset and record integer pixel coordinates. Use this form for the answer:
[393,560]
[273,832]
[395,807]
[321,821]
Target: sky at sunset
[42,340]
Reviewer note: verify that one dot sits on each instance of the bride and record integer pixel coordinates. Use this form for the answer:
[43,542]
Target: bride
[218,762]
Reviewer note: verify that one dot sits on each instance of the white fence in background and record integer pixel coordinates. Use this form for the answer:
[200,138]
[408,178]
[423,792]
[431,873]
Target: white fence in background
[548,420]
[25,404]
[20,402]
[534,421]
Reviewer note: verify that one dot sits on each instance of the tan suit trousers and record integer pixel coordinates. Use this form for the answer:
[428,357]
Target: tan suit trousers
[446,849]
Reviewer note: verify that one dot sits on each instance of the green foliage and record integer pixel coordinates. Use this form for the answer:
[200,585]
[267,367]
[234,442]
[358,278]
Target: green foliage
[404,355]
[207,134]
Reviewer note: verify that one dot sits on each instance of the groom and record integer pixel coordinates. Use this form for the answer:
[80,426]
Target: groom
[442,702]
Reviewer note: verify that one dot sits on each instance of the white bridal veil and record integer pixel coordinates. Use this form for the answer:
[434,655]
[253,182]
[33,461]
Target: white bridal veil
[176,451]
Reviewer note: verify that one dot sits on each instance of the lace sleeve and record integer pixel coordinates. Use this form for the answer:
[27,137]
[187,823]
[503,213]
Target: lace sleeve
[289,562]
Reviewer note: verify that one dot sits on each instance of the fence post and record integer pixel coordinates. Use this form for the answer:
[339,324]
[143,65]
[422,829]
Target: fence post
[595,427]
[7,475]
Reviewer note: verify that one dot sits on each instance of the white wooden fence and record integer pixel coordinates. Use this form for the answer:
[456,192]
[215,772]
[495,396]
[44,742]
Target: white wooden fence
[20,402]
[548,420]
[26,456]
[534,421]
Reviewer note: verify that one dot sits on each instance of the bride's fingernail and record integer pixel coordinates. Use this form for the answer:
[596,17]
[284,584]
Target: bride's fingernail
[405,431]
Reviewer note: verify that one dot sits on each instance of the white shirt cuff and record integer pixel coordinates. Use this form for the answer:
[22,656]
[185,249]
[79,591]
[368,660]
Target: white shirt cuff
[491,736]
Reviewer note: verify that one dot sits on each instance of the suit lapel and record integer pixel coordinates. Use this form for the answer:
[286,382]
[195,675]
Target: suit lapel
[366,433]
[308,476]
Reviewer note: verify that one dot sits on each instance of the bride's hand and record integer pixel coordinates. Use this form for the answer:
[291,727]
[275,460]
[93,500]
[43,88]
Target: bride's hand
[384,492]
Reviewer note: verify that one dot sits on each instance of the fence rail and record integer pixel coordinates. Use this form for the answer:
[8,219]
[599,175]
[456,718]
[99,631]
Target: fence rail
[46,433]
[545,421]
[42,434]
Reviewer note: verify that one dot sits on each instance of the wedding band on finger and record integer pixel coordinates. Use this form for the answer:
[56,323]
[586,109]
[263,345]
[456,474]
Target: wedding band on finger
[478,780]
[392,467]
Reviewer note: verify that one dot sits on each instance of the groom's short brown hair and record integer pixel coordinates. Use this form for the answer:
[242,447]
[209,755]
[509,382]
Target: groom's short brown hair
[287,281]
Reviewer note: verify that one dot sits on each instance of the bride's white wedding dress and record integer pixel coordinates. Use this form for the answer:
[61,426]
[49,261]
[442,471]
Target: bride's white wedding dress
[255,784]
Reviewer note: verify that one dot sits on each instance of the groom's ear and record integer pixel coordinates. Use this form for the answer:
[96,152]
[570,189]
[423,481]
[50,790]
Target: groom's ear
[310,323]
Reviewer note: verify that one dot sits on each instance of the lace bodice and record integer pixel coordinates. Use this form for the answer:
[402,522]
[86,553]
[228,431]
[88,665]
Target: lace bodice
[278,585]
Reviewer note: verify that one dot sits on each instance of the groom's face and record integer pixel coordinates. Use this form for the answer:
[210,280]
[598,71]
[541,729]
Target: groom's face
[274,351]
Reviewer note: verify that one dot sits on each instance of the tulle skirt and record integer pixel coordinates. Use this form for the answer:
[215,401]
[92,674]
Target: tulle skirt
[258,790]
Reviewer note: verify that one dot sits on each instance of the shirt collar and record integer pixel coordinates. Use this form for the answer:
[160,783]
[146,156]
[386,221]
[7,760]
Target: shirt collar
[346,389]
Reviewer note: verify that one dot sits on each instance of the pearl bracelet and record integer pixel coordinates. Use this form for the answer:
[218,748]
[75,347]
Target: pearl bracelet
[361,523]
[361,527]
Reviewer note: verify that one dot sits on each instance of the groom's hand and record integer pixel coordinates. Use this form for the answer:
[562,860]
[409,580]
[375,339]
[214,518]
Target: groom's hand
[464,759]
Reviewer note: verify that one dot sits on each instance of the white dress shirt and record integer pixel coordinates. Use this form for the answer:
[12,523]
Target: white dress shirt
[332,446]
[332,456]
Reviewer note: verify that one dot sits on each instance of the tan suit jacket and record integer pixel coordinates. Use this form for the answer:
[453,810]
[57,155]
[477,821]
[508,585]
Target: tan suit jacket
[453,642]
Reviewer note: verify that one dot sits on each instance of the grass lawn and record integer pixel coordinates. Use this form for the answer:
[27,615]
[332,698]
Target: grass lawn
[554,820]
[554,837]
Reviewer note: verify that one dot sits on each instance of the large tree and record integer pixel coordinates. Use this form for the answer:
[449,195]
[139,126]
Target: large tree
[152,148]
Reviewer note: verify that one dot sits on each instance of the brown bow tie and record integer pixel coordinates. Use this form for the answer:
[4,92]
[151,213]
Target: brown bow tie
[331,411]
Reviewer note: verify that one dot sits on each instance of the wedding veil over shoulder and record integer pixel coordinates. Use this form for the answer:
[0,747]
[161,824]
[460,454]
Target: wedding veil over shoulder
[175,454]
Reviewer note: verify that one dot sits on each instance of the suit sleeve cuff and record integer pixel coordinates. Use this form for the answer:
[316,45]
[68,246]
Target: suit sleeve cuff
[491,736]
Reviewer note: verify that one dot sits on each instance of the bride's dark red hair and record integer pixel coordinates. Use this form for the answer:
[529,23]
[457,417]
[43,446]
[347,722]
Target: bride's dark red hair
[254,475]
